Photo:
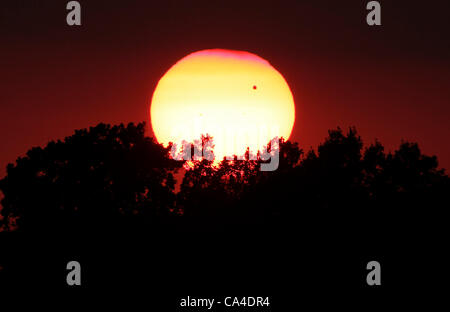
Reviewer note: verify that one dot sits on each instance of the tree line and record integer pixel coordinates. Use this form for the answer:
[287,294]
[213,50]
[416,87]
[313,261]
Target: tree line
[115,177]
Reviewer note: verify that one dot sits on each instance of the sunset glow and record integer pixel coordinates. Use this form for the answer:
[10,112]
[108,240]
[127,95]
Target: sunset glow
[236,97]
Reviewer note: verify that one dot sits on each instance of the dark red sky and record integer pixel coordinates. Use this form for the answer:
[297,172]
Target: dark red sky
[391,82]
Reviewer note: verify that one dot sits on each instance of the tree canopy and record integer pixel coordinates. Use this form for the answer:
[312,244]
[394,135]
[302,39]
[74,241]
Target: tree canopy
[90,178]
[106,176]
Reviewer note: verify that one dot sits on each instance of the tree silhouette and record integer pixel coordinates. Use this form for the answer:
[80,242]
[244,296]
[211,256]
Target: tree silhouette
[109,193]
[215,194]
[108,176]
[89,180]
[353,193]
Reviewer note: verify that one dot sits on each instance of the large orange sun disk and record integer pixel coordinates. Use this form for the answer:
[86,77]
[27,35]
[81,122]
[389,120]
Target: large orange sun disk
[236,97]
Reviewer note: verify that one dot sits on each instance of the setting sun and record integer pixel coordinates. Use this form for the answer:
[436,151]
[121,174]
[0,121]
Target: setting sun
[236,97]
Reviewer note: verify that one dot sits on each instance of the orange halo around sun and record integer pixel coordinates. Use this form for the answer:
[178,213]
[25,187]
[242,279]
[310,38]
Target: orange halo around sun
[236,97]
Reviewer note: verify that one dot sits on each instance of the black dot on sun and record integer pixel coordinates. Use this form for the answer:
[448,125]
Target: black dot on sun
[254,87]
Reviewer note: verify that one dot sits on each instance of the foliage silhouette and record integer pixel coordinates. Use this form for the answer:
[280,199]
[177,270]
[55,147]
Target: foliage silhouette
[90,180]
[115,177]
[345,192]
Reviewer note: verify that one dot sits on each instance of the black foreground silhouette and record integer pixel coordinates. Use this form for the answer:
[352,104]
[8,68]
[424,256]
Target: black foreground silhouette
[108,196]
